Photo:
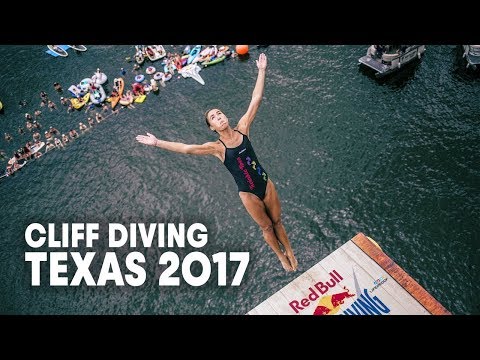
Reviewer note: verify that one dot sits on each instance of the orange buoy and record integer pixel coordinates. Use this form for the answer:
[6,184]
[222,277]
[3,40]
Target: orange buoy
[241,49]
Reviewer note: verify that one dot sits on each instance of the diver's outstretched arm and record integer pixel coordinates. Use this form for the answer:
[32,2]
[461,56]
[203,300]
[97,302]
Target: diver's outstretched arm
[204,149]
[247,119]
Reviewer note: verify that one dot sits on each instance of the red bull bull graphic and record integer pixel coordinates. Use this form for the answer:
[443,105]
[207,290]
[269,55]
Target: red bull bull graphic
[316,290]
[330,304]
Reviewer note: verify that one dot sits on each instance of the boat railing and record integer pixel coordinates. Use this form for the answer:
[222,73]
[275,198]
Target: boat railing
[474,50]
[388,58]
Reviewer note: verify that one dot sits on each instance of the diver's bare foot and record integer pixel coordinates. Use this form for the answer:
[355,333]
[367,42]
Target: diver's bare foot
[285,262]
[293,261]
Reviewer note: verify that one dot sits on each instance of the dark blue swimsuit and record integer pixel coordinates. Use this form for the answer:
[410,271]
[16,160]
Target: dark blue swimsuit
[245,168]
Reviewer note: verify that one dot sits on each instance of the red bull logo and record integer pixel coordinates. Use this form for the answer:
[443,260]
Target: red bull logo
[318,289]
[330,304]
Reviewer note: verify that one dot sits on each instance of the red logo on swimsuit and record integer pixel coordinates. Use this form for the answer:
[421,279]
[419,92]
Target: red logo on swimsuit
[249,179]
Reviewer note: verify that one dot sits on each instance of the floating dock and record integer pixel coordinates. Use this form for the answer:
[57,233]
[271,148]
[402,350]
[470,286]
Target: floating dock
[356,279]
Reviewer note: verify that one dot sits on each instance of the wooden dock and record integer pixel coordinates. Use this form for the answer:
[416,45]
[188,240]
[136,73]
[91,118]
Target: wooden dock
[356,279]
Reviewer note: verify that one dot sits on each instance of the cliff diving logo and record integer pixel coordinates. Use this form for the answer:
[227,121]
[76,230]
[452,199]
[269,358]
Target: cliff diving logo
[330,304]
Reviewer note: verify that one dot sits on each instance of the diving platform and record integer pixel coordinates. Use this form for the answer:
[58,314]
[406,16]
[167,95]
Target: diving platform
[356,279]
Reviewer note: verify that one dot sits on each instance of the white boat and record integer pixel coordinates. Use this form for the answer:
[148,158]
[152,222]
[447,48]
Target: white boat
[192,71]
[56,49]
[472,54]
[385,59]
[78,47]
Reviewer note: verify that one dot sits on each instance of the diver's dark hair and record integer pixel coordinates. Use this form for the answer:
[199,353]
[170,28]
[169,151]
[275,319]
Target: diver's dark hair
[206,117]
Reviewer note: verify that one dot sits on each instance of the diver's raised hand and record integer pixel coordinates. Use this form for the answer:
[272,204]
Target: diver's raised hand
[262,62]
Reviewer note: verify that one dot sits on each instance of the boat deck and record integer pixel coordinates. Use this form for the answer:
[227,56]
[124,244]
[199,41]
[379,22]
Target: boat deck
[374,64]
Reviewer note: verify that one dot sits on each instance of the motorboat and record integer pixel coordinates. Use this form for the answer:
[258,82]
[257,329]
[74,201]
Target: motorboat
[385,59]
[472,54]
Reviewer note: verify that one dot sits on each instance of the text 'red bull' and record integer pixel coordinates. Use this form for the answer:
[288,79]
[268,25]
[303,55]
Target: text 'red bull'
[316,290]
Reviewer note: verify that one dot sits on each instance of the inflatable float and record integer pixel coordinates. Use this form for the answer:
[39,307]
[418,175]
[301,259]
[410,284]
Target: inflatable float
[76,91]
[140,98]
[194,53]
[97,94]
[118,86]
[126,99]
[85,84]
[78,103]
[192,71]
[147,87]
[153,85]
[137,88]
[214,61]
[78,47]
[99,77]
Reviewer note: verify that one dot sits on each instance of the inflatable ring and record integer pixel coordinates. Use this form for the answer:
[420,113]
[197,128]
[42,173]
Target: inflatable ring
[139,78]
[167,77]
[150,70]
[85,84]
[158,76]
